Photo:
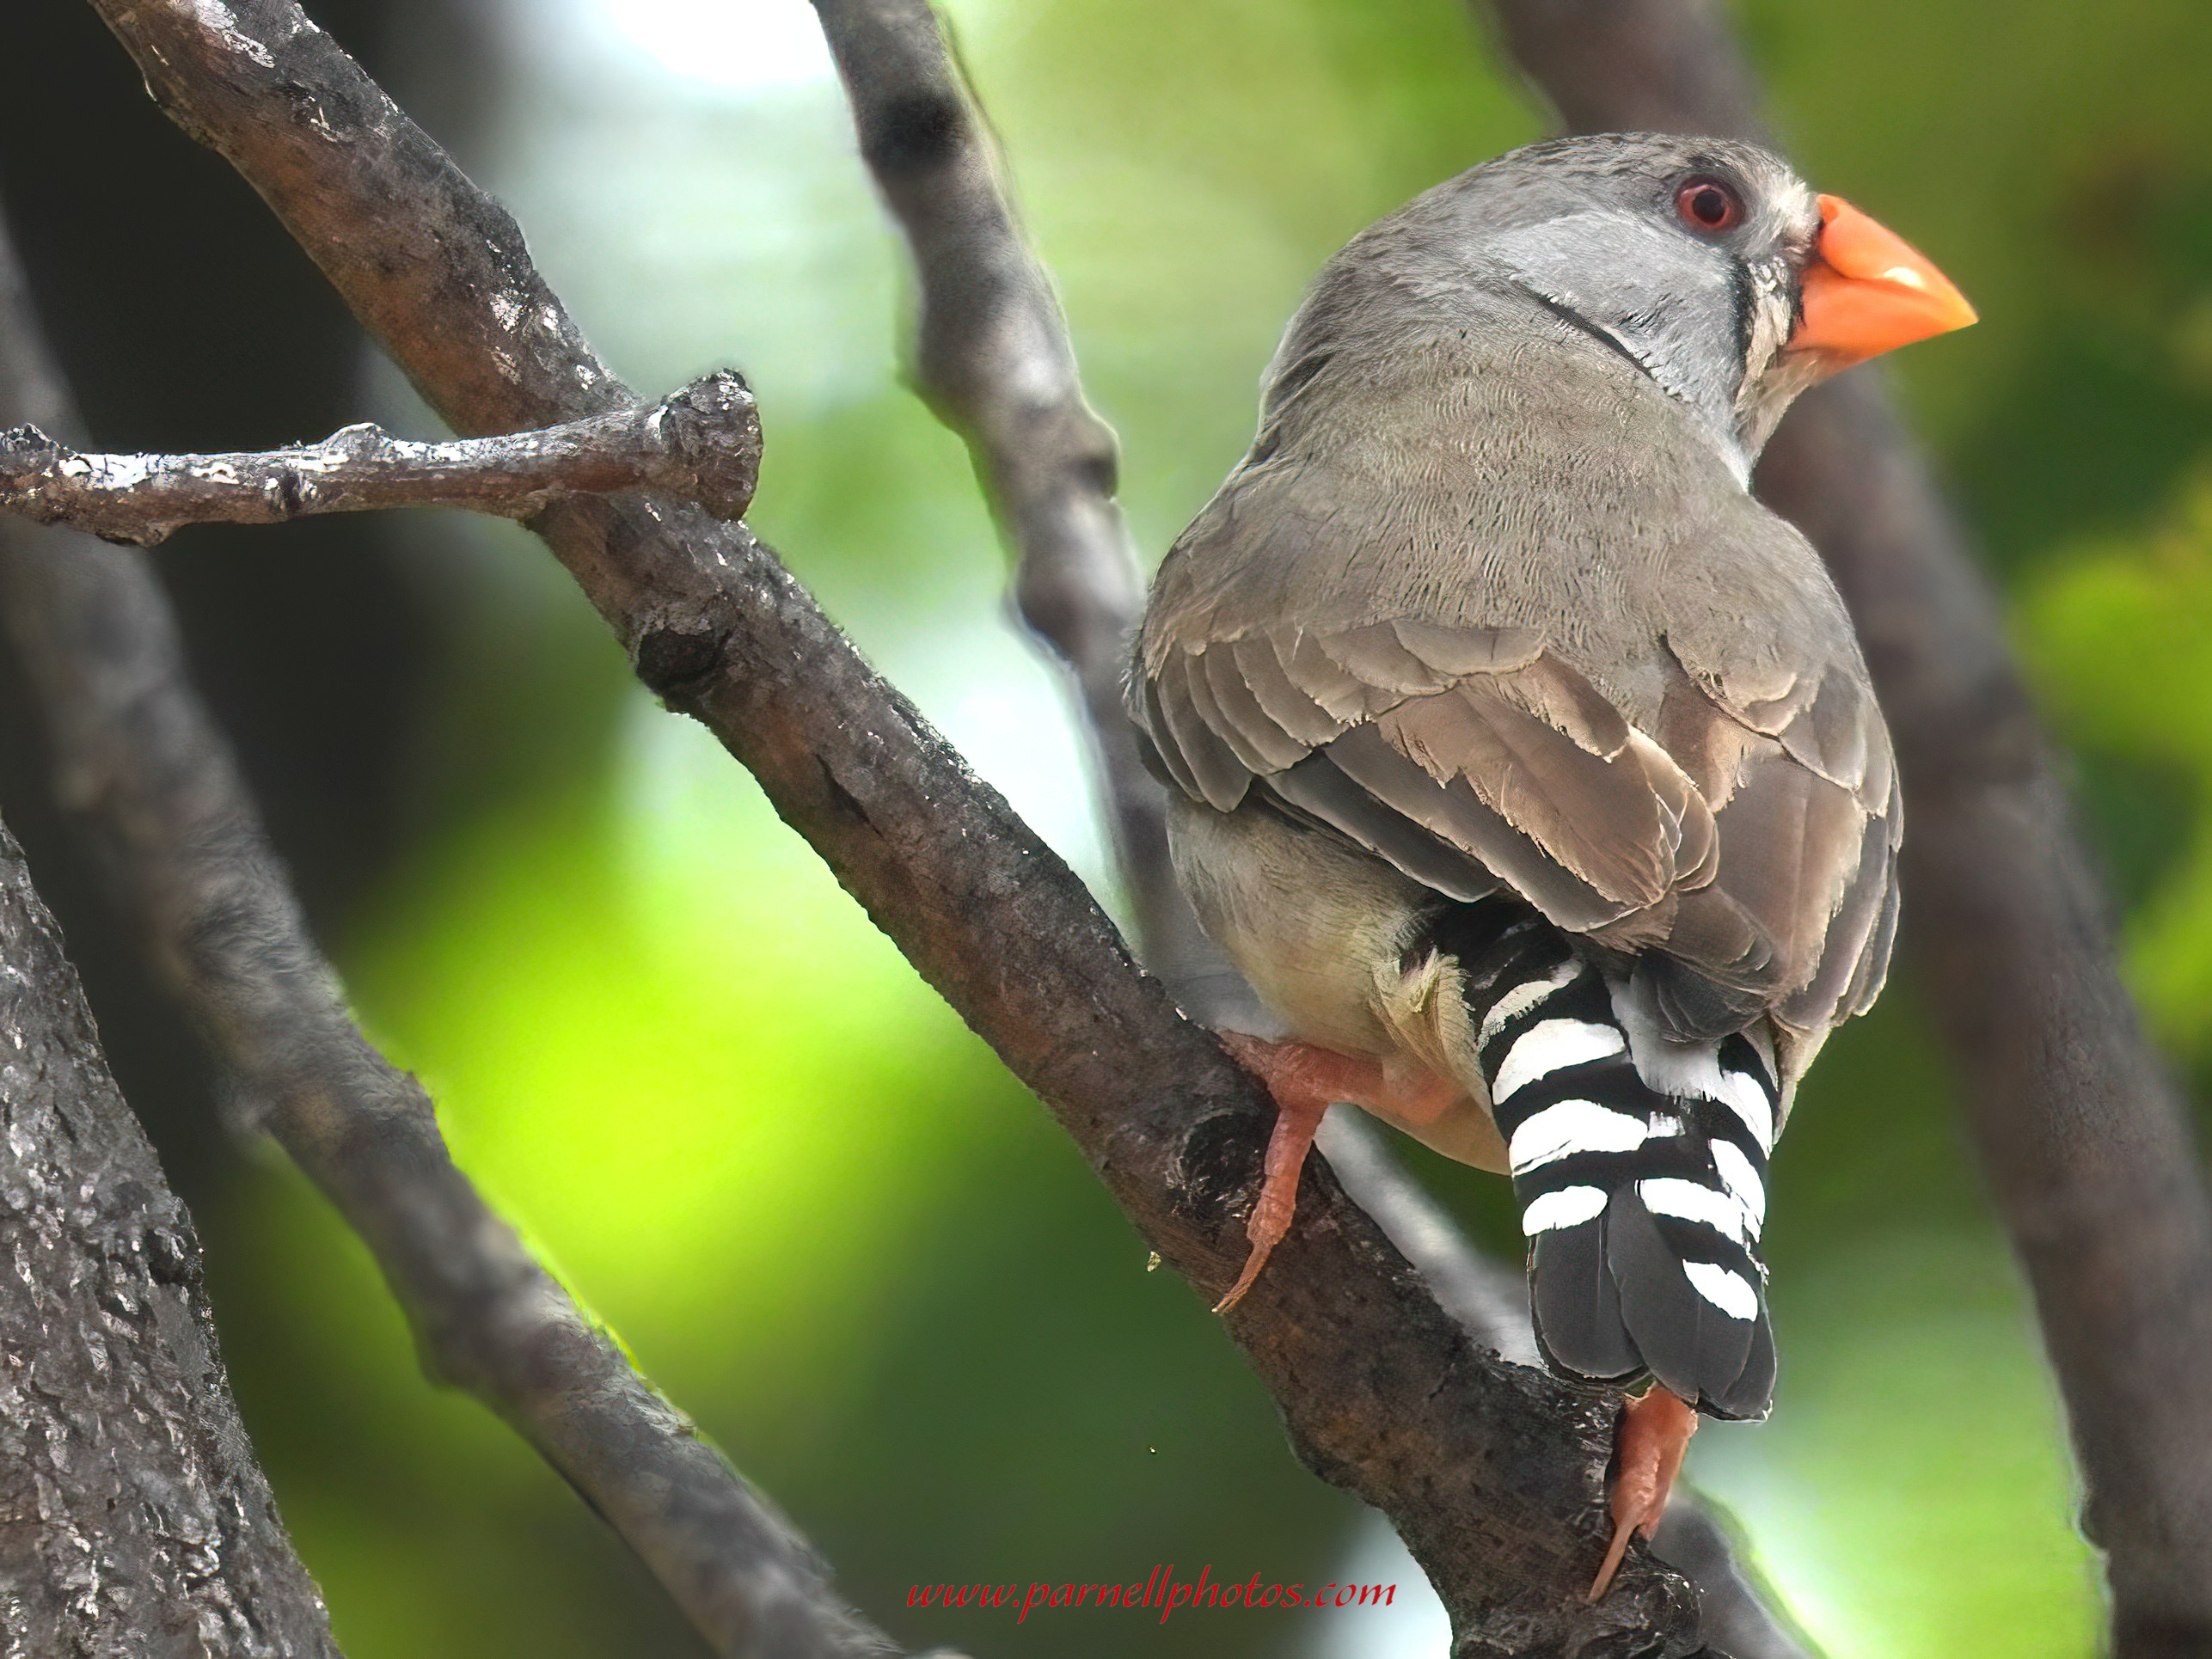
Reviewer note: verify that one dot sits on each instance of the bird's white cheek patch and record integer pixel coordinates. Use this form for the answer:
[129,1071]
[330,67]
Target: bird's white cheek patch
[1741,1181]
[1523,997]
[1556,1044]
[1570,1127]
[1686,1201]
[1726,1289]
[1571,1206]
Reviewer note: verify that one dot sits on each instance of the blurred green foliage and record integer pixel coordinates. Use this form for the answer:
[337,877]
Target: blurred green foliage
[816,1209]
[2120,630]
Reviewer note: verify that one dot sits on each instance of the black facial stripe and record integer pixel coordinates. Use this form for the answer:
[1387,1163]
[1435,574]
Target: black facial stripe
[1743,299]
[1569,314]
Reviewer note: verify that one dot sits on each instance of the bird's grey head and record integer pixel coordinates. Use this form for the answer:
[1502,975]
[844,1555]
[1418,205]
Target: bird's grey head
[1684,255]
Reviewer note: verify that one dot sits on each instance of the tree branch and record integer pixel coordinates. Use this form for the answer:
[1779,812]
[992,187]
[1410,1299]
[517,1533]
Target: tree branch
[2080,1130]
[994,361]
[141,765]
[1489,1298]
[701,443]
[133,1518]
[1493,1473]
[996,365]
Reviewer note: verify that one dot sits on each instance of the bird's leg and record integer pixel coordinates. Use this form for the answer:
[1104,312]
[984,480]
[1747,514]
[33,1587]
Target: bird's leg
[1305,1081]
[1654,1433]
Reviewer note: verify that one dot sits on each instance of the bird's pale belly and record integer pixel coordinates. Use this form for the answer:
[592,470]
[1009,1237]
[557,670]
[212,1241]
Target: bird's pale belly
[1320,930]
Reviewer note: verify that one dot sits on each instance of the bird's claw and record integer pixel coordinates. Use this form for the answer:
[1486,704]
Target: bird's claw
[1654,1434]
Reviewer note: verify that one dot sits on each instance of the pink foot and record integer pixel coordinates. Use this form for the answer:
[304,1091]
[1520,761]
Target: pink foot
[1654,1433]
[1305,1081]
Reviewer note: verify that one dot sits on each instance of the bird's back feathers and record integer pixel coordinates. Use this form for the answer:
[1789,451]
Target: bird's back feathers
[1501,616]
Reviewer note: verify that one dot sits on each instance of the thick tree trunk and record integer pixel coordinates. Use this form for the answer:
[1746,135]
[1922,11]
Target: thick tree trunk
[133,1519]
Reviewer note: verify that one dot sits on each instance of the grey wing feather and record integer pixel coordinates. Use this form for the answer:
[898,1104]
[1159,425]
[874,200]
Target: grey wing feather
[1293,712]
[1320,791]
[1345,697]
[1744,849]
[1452,813]
[1257,738]
[1375,657]
[1590,813]
[1831,733]
[1455,652]
[1145,706]
[1217,775]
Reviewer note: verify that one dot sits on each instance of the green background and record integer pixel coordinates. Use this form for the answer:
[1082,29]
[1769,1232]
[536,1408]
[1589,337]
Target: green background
[816,1209]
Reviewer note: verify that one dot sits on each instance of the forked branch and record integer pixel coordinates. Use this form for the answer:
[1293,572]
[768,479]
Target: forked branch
[994,360]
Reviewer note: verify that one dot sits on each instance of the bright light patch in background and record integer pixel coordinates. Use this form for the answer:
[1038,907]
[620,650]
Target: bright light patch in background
[1413,1626]
[1876,1563]
[738,44]
[1015,727]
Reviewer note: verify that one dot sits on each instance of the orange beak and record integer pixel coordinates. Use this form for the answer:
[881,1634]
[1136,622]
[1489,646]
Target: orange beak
[1868,292]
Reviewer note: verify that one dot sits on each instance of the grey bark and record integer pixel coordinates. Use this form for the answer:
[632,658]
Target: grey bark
[994,360]
[134,1521]
[701,443]
[142,768]
[2080,1130]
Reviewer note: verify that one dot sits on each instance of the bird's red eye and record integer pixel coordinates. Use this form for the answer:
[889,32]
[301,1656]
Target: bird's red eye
[1708,206]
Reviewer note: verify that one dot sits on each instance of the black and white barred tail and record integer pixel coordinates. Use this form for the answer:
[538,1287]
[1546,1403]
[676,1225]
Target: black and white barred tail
[1639,1165]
